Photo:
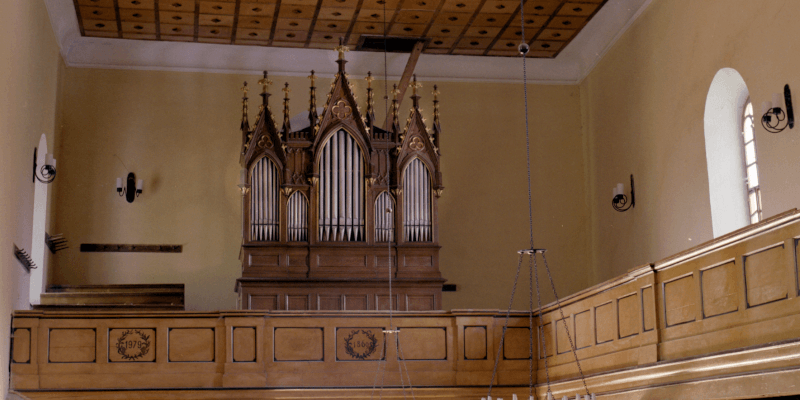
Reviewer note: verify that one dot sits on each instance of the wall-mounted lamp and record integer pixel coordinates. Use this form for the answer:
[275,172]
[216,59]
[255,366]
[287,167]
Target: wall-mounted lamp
[774,115]
[132,189]
[620,200]
[47,172]
[243,185]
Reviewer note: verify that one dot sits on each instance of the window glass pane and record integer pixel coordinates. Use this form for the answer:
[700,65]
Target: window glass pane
[752,176]
[750,153]
[753,202]
[747,129]
[754,218]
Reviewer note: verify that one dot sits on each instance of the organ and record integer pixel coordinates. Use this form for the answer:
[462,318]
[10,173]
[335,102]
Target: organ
[330,204]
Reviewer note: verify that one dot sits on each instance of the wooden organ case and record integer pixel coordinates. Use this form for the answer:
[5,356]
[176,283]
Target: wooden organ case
[331,206]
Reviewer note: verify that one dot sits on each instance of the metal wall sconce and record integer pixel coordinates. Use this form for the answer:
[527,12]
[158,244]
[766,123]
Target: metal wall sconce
[132,189]
[774,115]
[47,172]
[24,258]
[620,200]
[243,185]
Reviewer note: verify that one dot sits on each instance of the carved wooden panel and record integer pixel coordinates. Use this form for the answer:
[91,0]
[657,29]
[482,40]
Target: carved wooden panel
[297,302]
[131,345]
[583,329]
[604,323]
[475,343]
[298,344]
[628,315]
[720,289]
[191,345]
[244,344]
[330,302]
[421,303]
[517,345]
[383,302]
[765,276]
[679,300]
[563,337]
[648,309]
[21,352]
[263,302]
[72,345]
[359,344]
[423,343]
[356,302]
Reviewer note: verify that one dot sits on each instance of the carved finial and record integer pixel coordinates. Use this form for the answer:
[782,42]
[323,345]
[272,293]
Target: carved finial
[414,86]
[245,126]
[312,103]
[286,127]
[369,79]
[264,82]
[313,78]
[341,48]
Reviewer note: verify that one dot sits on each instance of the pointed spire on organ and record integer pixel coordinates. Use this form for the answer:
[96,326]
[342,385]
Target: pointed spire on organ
[370,103]
[312,103]
[395,110]
[264,82]
[414,96]
[245,125]
[286,126]
[341,48]
[437,129]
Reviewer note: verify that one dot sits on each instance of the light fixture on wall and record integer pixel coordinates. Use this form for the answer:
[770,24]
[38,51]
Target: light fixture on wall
[47,172]
[620,200]
[132,189]
[243,185]
[775,119]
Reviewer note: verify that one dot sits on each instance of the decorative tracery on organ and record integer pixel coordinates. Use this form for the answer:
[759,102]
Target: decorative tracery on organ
[334,199]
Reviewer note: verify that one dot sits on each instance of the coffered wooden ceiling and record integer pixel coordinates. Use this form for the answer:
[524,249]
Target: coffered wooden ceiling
[461,27]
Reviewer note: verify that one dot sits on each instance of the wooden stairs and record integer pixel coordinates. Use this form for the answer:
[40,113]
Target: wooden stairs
[140,297]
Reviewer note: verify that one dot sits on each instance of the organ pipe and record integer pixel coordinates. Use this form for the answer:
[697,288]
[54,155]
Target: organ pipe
[384,218]
[417,202]
[263,201]
[297,211]
[341,190]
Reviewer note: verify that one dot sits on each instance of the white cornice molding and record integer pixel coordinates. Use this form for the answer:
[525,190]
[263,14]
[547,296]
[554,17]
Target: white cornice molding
[570,67]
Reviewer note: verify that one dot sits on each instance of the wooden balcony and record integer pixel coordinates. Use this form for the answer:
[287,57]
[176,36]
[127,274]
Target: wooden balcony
[720,321]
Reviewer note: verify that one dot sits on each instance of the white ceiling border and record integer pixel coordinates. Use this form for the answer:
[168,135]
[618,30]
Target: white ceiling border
[571,66]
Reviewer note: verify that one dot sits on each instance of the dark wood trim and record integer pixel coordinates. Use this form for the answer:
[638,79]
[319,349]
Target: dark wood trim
[353,21]
[313,23]
[157,19]
[578,30]
[196,21]
[546,24]
[406,78]
[467,26]
[235,21]
[119,19]
[274,22]
[503,29]
[80,18]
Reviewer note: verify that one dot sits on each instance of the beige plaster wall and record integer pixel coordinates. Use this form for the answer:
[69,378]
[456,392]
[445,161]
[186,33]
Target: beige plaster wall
[178,132]
[642,110]
[29,68]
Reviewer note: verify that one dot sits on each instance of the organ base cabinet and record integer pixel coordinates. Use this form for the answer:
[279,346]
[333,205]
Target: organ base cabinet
[333,204]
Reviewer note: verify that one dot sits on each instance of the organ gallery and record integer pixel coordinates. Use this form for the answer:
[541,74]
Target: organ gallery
[332,202]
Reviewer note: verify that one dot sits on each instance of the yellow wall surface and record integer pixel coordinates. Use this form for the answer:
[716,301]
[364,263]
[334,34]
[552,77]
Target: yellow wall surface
[29,69]
[643,108]
[178,131]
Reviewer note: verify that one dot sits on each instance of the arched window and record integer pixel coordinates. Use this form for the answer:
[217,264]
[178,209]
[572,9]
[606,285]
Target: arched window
[751,168]
[417,202]
[725,152]
[384,218]
[264,201]
[341,190]
[297,216]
